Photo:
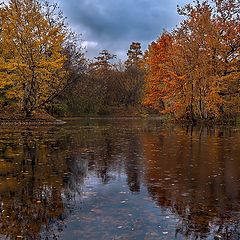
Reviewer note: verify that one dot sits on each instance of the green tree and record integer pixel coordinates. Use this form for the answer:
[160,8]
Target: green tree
[134,75]
[134,55]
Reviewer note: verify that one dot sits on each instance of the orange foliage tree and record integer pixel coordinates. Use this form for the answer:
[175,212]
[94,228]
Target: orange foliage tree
[163,80]
[193,72]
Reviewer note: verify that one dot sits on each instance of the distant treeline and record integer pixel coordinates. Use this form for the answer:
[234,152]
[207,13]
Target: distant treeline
[190,73]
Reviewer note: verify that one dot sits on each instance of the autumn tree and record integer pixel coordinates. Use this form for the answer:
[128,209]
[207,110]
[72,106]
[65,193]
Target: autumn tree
[209,39]
[203,61]
[32,58]
[160,80]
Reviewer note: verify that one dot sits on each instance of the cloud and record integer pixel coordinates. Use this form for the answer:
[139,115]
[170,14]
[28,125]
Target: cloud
[114,24]
[89,44]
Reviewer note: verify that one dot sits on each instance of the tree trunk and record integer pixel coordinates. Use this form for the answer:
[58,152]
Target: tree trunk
[30,98]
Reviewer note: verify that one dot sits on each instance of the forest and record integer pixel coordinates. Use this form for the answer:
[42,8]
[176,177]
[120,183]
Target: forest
[190,73]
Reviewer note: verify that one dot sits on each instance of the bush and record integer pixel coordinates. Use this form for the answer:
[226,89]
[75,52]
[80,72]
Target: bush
[57,109]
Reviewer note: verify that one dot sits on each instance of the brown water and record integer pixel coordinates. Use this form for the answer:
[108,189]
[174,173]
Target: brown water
[119,179]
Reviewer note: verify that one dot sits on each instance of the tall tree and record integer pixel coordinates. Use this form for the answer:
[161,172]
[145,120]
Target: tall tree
[203,61]
[103,62]
[134,55]
[209,39]
[160,80]
[32,38]
[134,75]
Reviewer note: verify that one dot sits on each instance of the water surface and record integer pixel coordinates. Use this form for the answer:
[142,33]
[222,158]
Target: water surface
[119,179]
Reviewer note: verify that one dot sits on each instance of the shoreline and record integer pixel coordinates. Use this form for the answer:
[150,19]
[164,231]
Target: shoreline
[46,119]
[37,118]
[22,122]
[163,119]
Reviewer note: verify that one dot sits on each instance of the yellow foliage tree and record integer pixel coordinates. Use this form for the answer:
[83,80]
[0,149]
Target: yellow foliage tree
[32,59]
[209,42]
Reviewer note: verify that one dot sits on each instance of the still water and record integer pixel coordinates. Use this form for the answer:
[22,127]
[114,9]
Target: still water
[119,179]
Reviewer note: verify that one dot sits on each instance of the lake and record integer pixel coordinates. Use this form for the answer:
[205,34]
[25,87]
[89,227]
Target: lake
[119,178]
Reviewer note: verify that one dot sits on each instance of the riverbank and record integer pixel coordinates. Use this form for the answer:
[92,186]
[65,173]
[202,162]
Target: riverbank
[15,117]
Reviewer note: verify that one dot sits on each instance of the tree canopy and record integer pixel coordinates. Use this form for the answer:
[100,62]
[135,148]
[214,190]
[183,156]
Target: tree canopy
[32,59]
[194,71]
[190,73]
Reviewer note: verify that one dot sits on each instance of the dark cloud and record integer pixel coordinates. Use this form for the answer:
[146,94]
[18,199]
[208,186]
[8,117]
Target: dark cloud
[114,24]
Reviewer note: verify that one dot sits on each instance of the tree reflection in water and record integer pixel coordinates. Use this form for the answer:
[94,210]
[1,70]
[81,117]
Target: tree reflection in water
[194,173]
[31,183]
[197,178]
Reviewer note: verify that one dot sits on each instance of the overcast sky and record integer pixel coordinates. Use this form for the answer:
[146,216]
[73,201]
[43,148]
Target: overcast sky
[114,24]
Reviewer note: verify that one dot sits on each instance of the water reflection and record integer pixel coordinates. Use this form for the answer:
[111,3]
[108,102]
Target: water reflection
[196,174]
[119,179]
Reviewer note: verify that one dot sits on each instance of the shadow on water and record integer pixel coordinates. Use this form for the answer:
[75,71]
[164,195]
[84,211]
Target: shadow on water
[120,179]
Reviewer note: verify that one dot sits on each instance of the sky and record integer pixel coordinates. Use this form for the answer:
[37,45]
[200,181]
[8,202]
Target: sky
[114,24]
